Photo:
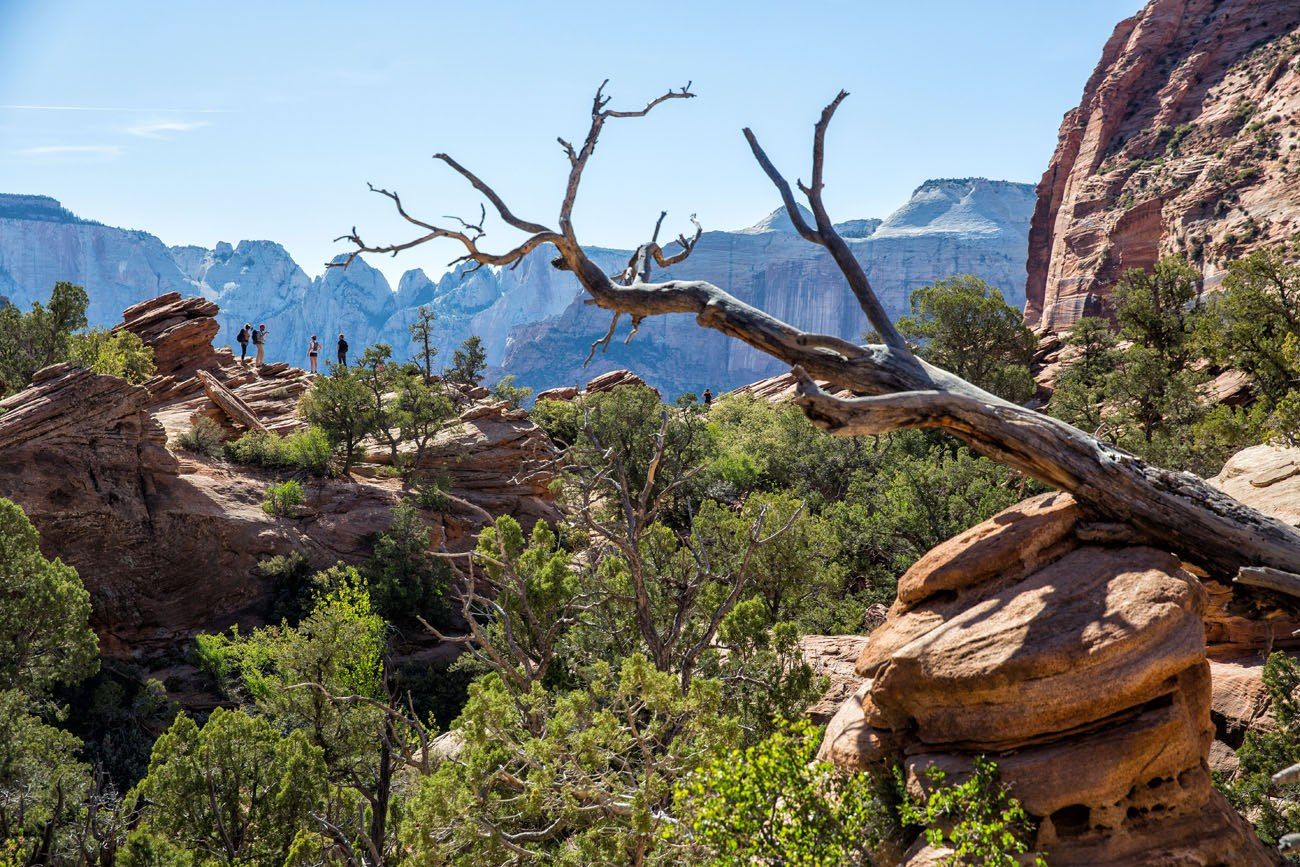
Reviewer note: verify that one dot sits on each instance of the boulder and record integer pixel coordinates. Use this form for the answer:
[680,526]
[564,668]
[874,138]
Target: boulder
[1076,660]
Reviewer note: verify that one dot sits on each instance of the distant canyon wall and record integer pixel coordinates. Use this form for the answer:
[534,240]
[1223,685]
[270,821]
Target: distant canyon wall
[532,319]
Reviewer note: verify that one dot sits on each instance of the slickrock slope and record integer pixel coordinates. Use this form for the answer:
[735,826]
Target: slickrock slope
[1184,142]
[1080,667]
[167,542]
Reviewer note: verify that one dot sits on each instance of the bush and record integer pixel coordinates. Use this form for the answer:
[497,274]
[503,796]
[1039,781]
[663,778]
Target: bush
[775,803]
[283,498]
[513,395]
[431,494]
[204,437]
[115,353]
[307,450]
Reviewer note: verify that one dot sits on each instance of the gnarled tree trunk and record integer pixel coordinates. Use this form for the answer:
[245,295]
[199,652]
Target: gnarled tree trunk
[1177,510]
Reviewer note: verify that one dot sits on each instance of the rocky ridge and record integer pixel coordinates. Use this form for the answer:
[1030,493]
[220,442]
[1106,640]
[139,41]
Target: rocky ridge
[168,542]
[1184,142]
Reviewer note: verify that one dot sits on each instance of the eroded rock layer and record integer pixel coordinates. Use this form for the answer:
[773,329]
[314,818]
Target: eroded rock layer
[1079,667]
[1183,143]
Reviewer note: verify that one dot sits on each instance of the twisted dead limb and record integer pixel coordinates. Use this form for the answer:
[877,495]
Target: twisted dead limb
[1177,510]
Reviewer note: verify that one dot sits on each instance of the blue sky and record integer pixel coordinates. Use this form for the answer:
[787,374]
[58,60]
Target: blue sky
[203,122]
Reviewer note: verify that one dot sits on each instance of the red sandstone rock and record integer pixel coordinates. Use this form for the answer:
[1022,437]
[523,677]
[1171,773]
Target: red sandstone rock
[1180,144]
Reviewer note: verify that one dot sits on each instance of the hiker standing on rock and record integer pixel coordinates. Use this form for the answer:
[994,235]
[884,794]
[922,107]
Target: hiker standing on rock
[313,349]
[343,351]
[259,342]
[708,397]
[243,337]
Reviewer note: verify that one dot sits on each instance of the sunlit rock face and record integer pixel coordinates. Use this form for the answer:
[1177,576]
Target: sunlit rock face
[531,318]
[1182,144]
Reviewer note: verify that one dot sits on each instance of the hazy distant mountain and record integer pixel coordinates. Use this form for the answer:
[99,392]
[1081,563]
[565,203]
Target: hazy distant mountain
[531,318]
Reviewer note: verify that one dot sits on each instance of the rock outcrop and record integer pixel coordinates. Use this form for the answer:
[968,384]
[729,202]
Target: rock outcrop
[1079,667]
[605,382]
[168,542]
[1183,143]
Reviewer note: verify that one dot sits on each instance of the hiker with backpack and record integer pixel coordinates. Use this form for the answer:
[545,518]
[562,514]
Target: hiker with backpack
[343,351]
[242,338]
[259,343]
[313,349]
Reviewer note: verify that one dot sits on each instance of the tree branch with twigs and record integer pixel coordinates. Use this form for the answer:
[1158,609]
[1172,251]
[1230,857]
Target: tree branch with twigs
[897,390]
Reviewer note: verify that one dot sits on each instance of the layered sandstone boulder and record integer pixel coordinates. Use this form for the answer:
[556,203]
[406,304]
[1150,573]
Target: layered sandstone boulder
[605,382]
[1180,145]
[1079,667]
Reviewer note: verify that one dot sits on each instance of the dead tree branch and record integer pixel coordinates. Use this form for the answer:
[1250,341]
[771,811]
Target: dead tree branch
[1176,510]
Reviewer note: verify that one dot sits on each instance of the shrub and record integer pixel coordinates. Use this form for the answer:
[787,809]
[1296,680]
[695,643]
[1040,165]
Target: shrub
[283,498]
[204,437]
[307,450]
[775,803]
[513,395]
[115,353]
[431,494]
[978,819]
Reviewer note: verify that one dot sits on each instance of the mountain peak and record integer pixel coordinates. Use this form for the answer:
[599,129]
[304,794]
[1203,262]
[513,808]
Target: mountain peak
[778,221]
[962,206]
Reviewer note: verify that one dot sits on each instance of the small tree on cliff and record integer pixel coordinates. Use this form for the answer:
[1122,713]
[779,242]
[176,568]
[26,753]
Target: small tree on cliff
[45,639]
[39,337]
[965,325]
[343,408]
[422,335]
[468,362]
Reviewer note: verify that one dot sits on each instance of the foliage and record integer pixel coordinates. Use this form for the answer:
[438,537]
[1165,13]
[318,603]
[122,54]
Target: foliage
[342,407]
[40,337]
[976,818]
[776,803]
[406,581]
[115,353]
[42,783]
[964,325]
[205,437]
[1274,810]
[234,791]
[45,638]
[513,395]
[283,498]
[307,450]
[421,331]
[576,777]
[1141,388]
[468,363]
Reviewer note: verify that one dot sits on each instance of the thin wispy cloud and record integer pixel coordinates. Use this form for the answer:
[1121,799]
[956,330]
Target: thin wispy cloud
[107,152]
[22,107]
[164,128]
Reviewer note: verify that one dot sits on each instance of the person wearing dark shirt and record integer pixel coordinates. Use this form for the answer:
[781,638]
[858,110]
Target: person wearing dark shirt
[343,351]
[245,334]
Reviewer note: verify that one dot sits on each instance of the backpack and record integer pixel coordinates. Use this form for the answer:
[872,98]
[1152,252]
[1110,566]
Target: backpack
[343,345]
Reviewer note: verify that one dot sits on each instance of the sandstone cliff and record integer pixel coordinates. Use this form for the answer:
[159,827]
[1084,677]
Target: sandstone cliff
[1184,142]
